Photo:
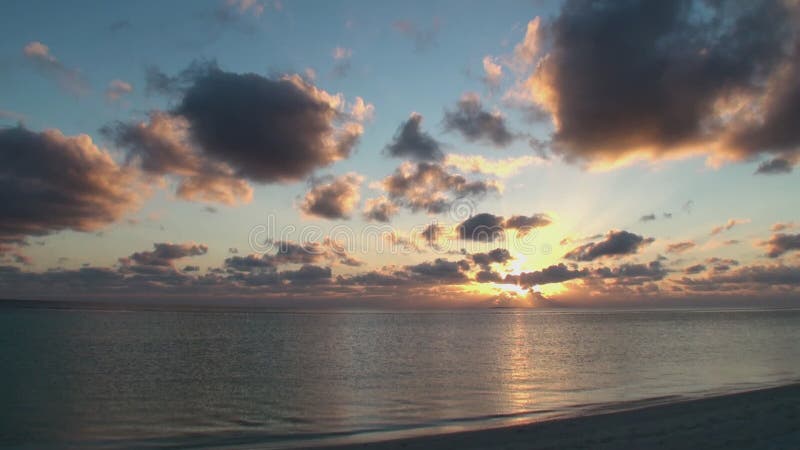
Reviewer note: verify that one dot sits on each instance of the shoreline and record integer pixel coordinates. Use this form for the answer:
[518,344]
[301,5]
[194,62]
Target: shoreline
[759,418]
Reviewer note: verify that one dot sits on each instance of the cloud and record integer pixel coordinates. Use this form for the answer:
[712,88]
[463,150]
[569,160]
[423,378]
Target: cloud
[11,254]
[616,243]
[333,198]
[496,256]
[626,81]
[327,251]
[775,166]
[13,116]
[722,264]
[632,274]
[429,273]
[341,57]
[503,168]
[423,38]
[410,141]
[493,72]
[116,89]
[747,280]
[524,224]
[432,232]
[249,263]
[781,243]
[380,209]
[268,130]
[525,52]
[253,7]
[695,269]
[162,146]
[680,247]
[162,258]
[487,227]
[51,182]
[476,124]
[308,274]
[69,79]
[728,225]
[361,110]
[230,128]
[440,271]
[429,187]
[482,227]
[782,226]
[553,274]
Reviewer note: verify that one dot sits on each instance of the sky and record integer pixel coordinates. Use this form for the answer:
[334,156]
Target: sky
[419,154]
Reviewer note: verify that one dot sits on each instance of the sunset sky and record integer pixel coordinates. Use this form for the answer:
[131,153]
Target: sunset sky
[359,153]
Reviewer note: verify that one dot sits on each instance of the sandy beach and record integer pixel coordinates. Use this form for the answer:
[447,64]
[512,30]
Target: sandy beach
[759,419]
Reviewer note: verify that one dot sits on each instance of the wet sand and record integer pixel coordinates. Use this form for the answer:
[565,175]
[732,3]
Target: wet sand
[759,419]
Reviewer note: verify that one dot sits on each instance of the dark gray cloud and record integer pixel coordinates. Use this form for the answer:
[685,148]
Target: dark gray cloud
[411,142]
[488,276]
[249,263]
[747,280]
[332,198]
[695,269]
[623,77]
[487,227]
[781,243]
[483,227]
[376,278]
[720,265]
[51,182]
[632,273]
[308,274]
[161,260]
[227,128]
[432,232]
[524,224]
[379,209]
[430,187]
[441,270]
[498,255]
[775,166]
[476,124]
[552,274]
[616,243]
[287,252]
[267,129]
[436,272]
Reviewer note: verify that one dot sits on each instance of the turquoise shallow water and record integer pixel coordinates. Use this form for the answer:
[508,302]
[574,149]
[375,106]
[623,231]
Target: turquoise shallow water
[135,378]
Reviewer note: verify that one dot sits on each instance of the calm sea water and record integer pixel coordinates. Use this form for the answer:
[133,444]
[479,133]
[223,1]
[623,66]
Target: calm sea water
[154,378]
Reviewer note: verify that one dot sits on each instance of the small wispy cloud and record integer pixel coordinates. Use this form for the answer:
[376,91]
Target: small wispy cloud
[69,79]
[728,225]
[116,89]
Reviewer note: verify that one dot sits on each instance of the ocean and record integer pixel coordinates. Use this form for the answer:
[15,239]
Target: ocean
[79,377]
